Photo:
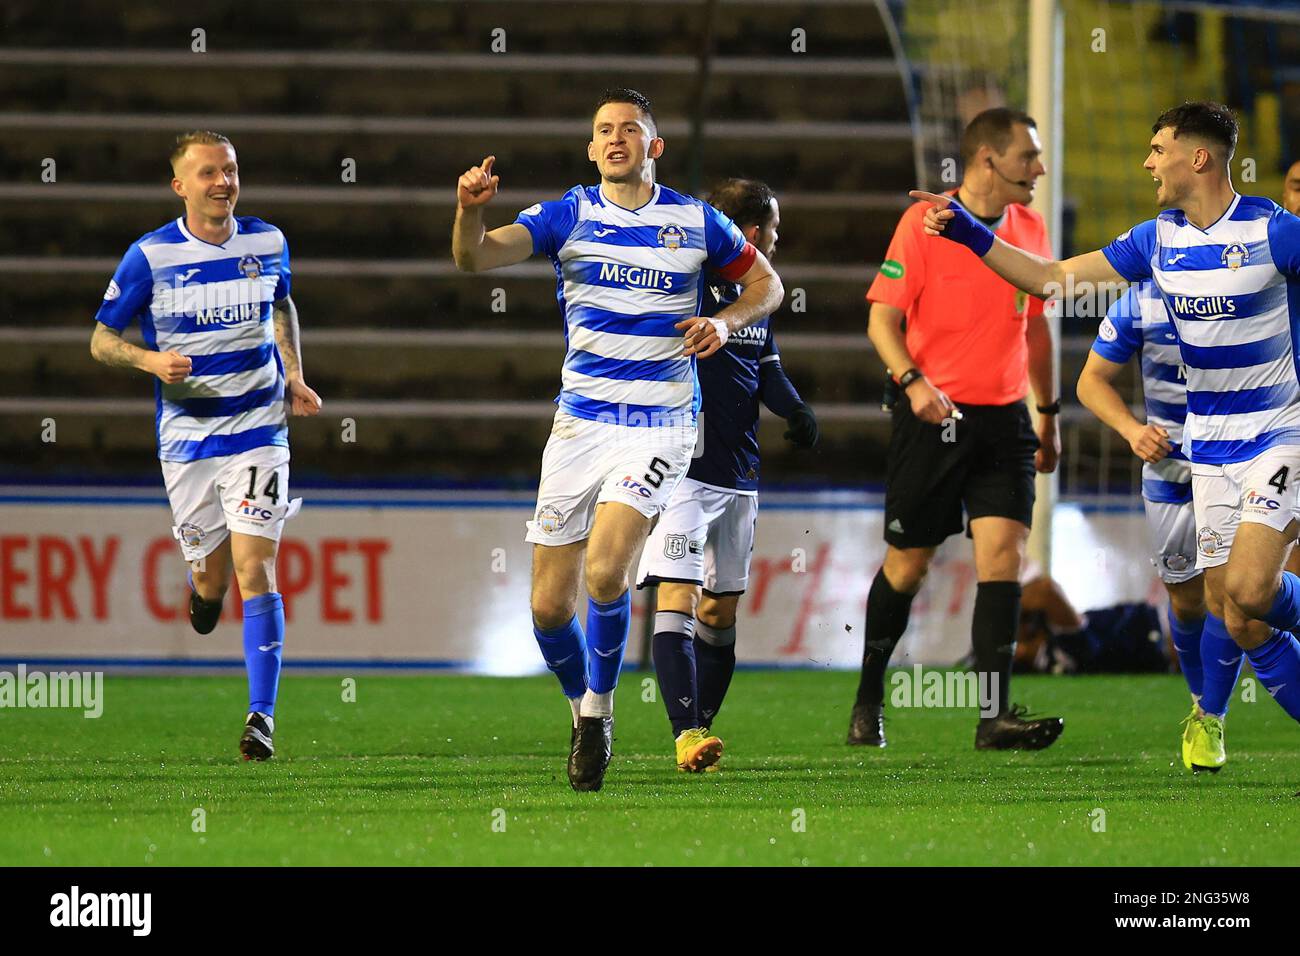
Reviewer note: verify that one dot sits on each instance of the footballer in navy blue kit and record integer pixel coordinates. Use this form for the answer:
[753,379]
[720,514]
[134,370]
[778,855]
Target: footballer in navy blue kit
[630,257]
[1227,267]
[699,550]
[211,293]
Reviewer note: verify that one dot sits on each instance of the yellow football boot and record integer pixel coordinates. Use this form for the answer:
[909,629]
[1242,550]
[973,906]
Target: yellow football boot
[1208,752]
[697,750]
[1191,727]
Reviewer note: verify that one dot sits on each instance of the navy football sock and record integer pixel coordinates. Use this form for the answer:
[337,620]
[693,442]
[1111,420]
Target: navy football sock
[674,656]
[887,614]
[715,662]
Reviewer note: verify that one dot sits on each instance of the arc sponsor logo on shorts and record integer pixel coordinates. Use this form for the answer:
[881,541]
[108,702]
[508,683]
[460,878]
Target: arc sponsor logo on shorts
[1208,542]
[250,509]
[550,519]
[635,487]
[1254,501]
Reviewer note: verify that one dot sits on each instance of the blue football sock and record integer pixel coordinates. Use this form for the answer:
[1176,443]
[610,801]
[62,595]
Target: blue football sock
[263,641]
[1187,642]
[1220,665]
[1277,665]
[606,641]
[1285,612]
[674,657]
[562,649]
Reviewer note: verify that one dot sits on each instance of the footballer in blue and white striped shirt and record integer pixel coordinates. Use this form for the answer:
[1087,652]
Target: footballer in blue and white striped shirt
[1228,269]
[630,258]
[211,293]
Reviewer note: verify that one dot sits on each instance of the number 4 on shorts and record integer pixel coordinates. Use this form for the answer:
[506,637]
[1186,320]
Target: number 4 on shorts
[1278,480]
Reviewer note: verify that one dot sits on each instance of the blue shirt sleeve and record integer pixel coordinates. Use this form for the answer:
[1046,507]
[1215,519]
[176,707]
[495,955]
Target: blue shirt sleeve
[128,292]
[769,347]
[1284,242]
[1131,253]
[550,223]
[286,274]
[723,240]
[1118,339]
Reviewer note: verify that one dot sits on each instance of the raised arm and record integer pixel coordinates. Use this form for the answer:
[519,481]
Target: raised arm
[761,294]
[108,346]
[304,401]
[1036,275]
[473,248]
[1097,392]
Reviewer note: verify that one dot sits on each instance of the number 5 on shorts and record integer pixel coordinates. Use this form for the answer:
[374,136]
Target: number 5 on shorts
[656,475]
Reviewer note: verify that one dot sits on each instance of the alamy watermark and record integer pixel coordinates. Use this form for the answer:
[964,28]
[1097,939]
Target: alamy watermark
[920,687]
[76,690]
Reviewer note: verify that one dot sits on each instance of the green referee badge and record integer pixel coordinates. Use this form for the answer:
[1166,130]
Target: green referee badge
[892,268]
[1022,300]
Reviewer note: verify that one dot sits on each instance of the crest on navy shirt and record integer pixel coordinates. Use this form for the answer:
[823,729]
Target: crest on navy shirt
[250,266]
[672,236]
[1235,256]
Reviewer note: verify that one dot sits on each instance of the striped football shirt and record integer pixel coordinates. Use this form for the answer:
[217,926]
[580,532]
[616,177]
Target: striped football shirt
[624,277]
[212,304]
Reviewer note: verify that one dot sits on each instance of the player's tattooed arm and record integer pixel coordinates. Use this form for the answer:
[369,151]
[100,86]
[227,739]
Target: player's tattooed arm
[1097,392]
[302,399]
[108,346]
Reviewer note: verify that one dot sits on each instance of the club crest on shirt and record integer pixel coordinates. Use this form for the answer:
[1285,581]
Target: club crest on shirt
[671,236]
[1235,256]
[250,266]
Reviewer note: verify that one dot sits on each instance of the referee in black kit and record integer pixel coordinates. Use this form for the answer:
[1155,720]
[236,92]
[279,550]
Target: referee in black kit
[976,344]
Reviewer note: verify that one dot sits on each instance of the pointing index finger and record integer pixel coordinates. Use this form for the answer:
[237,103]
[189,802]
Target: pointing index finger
[941,201]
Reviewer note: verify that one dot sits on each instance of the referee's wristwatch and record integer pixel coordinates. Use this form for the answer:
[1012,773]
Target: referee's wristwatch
[908,377]
[1052,409]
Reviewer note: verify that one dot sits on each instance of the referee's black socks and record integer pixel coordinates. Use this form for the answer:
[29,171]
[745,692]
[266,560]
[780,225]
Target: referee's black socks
[993,635]
[887,613]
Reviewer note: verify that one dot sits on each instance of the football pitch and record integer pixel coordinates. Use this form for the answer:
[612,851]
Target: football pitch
[455,770]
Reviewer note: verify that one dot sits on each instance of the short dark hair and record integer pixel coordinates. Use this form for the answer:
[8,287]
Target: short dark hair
[625,95]
[1205,119]
[748,202]
[993,127]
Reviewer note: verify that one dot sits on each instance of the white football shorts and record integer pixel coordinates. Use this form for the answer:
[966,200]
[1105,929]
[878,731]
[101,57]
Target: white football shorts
[210,497]
[589,462]
[1172,530]
[1262,490]
[705,536]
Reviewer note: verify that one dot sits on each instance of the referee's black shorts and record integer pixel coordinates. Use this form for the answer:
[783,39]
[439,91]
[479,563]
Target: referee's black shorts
[987,467]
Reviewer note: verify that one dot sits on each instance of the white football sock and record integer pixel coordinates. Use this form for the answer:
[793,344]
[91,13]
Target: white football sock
[597,705]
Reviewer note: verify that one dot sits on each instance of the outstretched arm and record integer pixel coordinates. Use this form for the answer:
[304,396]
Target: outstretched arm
[285,315]
[1036,275]
[473,248]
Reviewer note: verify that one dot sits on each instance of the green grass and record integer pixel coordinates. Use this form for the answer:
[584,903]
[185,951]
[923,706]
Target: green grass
[413,771]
